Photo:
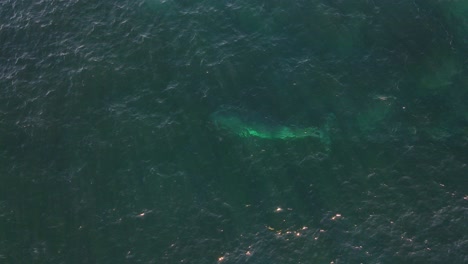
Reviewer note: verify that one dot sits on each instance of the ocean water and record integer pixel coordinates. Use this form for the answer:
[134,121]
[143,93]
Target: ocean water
[109,154]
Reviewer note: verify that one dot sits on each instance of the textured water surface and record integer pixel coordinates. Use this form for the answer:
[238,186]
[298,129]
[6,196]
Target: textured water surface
[109,152]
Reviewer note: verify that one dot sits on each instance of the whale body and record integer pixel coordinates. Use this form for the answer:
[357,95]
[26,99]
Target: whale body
[245,124]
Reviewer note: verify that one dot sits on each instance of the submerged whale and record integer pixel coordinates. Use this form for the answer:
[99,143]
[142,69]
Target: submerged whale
[245,124]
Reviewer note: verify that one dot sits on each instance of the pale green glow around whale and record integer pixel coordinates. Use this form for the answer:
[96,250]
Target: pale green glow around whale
[244,125]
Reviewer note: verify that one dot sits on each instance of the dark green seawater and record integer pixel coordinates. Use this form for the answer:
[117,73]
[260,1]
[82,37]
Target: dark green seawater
[108,153]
